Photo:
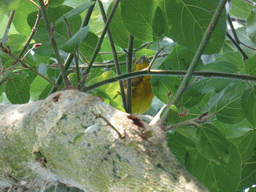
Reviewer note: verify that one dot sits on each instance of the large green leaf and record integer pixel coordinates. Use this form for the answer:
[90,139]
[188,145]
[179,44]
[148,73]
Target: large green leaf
[38,84]
[179,59]
[16,42]
[219,66]
[248,174]
[159,23]
[188,21]
[137,16]
[163,85]
[240,9]
[112,90]
[246,144]
[250,66]
[56,3]
[232,57]
[251,24]
[87,46]
[20,17]
[212,144]
[229,109]
[248,102]
[118,30]
[243,37]
[233,130]
[17,90]
[72,44]
[75,11]
[60,30]
[216,177]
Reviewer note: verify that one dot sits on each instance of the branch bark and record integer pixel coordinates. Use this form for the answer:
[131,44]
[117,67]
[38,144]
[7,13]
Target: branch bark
[59,139]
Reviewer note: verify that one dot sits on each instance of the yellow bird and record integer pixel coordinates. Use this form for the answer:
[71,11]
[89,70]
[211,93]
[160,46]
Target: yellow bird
[142,94]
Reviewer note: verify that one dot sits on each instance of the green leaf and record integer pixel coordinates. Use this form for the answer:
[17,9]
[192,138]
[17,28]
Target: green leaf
[94,72]
[2,88]
[246,144]
[251,24]
[179,59]
[88,45]
[248,102]
[163,85]
[233,130]
[60,31]
[243,37]
[137,16]
[212,144]
[216,177]
[177,149]
[240,9]
[38,84]
[248,174]
[229,109]
[159,23]
[72,44]
[188,21]
[17,90]
[45,92]
[20,18]
[16,42]
[191,98]
[207,85]
[118,30]
[55,3]
[219,66]
[75,11]
[73,78]
[173,115]
[112,89]
[250,66]
[231,57]
[213,100]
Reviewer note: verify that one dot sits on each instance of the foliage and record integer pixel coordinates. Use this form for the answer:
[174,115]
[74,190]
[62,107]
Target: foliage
[219,151]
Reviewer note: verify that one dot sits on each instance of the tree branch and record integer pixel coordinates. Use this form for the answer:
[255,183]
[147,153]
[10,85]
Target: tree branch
[193,64]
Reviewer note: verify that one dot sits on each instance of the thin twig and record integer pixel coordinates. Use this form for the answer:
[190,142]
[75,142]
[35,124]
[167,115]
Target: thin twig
[109,124]
[193,64]
[35,4]
[233,29]
[237,46]
[252,48]
[75,52]
[71,55]
[27,66]
[157,72]
[191,122]
[7,27]
[118,70]
[97,48]
[129,69]
[15,63]
[50,31]
[154,58]
[33,31]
